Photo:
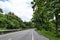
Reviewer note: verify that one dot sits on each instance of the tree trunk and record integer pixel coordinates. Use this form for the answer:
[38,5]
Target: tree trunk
[56,16]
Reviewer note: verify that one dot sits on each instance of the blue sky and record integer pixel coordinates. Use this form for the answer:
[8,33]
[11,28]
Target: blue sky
[3,0]
[21,8]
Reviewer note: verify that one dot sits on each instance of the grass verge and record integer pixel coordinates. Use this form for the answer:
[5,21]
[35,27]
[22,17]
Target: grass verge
[3,29]
[48,34]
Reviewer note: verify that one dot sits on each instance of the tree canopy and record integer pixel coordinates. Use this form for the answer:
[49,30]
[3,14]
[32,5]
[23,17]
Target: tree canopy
[10,21]
[44,13]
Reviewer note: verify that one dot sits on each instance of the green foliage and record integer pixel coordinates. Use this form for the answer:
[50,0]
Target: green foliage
[28,25]
[1,11]
[44,12]
[49,35]
[10,21]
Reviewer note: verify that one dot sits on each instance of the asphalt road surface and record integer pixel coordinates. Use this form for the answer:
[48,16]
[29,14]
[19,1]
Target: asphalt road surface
[30,34]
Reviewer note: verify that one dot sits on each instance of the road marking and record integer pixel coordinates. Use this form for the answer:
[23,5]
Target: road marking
[10,39]
[32,36]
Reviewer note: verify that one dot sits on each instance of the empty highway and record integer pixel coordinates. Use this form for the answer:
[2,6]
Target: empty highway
[30,34]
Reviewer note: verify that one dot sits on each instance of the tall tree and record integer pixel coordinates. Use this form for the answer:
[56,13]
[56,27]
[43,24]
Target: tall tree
[41,15]
[45,11]
[54,7]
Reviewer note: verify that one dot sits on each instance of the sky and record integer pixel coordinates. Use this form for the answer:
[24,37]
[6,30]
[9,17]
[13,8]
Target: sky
[21,8]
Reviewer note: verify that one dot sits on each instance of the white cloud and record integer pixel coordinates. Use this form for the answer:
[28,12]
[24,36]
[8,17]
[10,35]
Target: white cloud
[21,8]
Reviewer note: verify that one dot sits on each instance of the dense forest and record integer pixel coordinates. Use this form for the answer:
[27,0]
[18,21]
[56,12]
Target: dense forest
[11,21]
[46,15]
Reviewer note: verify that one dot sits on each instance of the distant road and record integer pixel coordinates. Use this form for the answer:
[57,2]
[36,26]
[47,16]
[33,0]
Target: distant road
[30,34]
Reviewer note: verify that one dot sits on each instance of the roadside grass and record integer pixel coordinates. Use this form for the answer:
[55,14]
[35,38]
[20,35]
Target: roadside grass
[3,29]
[49,35]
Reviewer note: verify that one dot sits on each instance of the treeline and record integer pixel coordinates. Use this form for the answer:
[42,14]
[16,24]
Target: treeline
[11,21]
[46,15]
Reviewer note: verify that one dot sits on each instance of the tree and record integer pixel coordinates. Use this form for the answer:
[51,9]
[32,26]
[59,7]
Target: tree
[41,15]
[1,10]
[44,13]
[10,21]
[13,20]
[54,7]
[28,24]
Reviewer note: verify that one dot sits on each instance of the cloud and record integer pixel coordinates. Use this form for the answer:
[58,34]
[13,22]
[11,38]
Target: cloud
[21,8]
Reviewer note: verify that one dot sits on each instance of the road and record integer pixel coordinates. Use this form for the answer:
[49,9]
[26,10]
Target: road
[30,34]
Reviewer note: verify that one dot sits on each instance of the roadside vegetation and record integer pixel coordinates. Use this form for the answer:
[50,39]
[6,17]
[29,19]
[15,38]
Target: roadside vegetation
[46,18]
[11,21]
[48,34]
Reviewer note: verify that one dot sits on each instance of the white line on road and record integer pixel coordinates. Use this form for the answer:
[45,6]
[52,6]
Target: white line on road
[32,36]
